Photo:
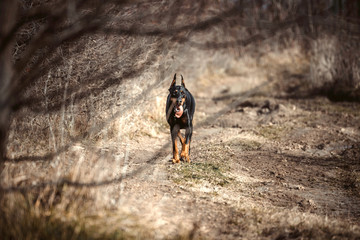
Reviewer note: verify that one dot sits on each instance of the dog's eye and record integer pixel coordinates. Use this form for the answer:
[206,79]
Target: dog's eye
[182,92]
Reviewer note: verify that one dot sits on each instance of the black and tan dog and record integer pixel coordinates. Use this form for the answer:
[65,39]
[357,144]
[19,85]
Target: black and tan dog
[180,108]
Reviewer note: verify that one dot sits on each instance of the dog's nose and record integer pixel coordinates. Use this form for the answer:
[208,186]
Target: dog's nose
[178,101]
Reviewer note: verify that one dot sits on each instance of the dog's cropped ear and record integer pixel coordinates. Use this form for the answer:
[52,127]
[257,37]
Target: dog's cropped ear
[182,81]
[173,82]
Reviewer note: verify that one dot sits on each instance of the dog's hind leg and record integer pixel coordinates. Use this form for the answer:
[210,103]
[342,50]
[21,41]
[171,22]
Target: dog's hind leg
[174,132]
[190,135]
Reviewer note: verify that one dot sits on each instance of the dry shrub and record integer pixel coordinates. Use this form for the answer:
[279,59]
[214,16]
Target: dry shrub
[289,224]
[335,67]
[22,218]
[76,202]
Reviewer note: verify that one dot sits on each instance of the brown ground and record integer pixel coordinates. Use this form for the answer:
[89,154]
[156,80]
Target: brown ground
[263,166]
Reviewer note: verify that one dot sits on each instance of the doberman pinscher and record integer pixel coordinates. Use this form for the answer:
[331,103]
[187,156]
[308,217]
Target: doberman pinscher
[180,108]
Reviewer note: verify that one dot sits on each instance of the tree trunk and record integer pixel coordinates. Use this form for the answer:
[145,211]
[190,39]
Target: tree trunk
[8,10]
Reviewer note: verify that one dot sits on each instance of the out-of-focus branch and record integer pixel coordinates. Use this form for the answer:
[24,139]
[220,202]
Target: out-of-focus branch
[136,30]
[7,19]
[87,24]
[51,43]
[133,72]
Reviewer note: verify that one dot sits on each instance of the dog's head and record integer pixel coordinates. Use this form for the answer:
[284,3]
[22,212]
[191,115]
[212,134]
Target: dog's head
[178,96]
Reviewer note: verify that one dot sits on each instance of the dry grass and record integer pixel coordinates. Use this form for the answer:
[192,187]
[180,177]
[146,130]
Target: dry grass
[94,106]
[334,67]
[65,211]
[270,223]
[27,217]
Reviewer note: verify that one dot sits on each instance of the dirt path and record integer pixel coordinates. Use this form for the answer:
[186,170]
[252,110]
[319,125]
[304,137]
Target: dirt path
[264,168]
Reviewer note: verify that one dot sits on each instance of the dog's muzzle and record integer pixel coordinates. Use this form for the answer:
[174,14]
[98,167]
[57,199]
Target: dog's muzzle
[178,111]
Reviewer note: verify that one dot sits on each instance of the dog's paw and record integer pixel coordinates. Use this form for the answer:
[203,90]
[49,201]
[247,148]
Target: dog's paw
[185,153]
[175,160]
[185,157]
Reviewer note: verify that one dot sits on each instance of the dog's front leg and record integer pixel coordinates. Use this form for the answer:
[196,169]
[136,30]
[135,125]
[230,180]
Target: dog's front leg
[183,149]
[174,133]
[186,145]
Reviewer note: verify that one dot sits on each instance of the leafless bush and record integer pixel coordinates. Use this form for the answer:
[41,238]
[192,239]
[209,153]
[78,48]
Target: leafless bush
[335,67]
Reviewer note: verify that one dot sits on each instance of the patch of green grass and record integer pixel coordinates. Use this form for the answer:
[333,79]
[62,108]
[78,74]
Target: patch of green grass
[200,171]
[245,145]
[210,165]
[271,132]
